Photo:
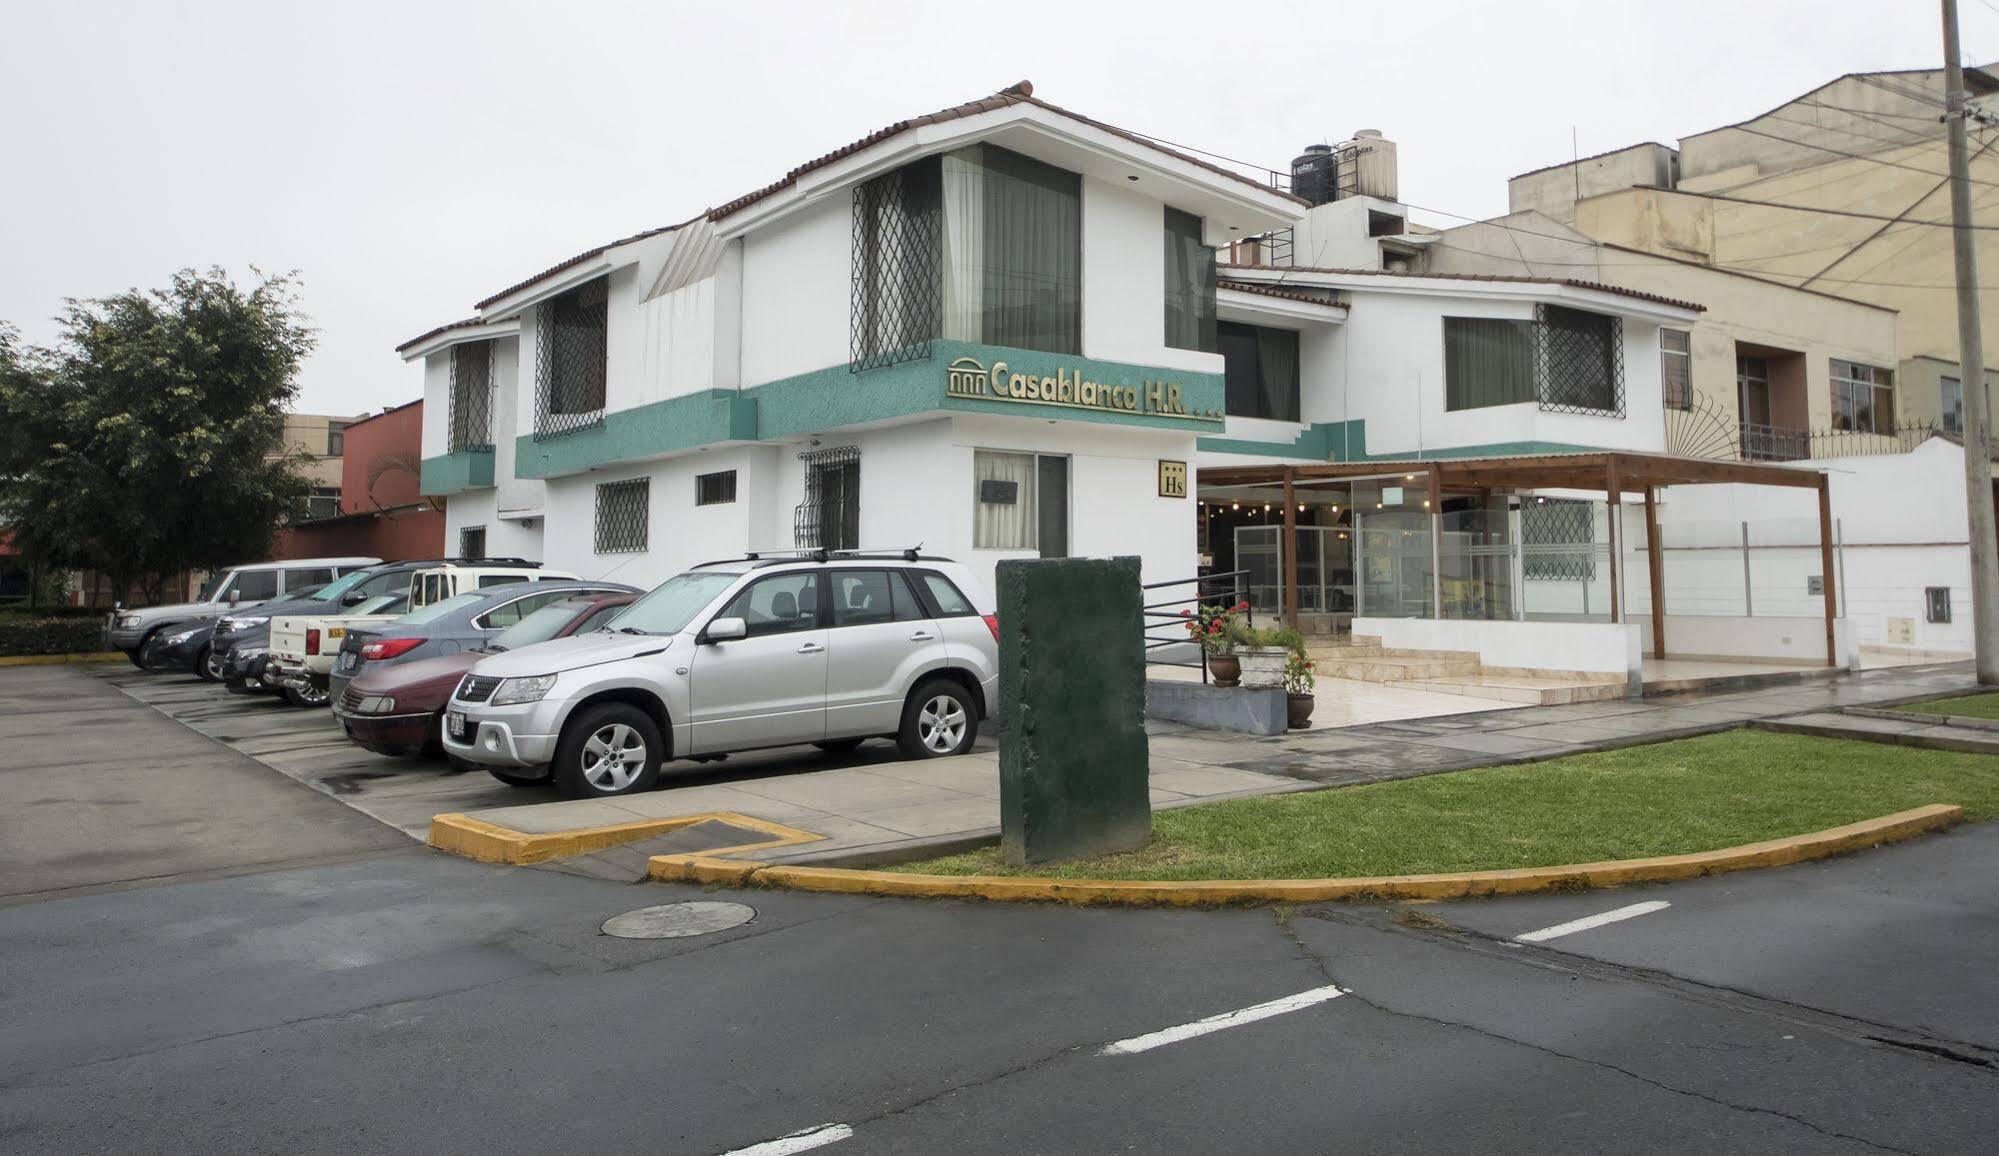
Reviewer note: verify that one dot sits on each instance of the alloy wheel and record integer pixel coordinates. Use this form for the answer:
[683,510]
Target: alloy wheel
[214,664]
[613,757]
[941,724]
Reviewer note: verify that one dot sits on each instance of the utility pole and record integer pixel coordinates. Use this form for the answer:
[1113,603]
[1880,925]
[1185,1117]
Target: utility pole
[1971,370]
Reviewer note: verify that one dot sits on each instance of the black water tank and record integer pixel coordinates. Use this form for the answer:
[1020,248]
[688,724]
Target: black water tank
[1315,173]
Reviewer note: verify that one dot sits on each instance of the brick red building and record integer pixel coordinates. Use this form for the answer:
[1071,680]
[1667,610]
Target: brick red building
[383,514]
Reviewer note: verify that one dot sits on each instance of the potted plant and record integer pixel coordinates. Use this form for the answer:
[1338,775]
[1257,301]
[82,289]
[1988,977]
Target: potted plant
[1263,651]
[1217,629]
[1299,680]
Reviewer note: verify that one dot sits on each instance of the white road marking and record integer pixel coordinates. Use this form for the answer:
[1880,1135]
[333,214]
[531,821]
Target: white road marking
[803,1141]
[1262,1011]
[1589,921]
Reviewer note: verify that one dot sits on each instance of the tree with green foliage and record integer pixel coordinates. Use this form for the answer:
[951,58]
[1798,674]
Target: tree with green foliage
[148,440]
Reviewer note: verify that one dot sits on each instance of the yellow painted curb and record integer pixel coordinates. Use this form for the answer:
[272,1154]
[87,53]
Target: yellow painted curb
[63,659]
[1773,853]
[461,834]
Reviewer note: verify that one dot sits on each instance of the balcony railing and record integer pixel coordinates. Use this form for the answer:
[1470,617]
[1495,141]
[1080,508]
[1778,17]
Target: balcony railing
[1773,443]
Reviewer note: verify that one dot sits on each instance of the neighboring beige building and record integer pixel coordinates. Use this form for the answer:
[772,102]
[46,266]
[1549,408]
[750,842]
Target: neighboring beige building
[1852,180]
[319,435]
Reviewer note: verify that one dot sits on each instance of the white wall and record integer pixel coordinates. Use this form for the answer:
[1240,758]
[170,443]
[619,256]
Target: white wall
[1593,647]
[1124,281]
[797,293]
[1716,636]
[517,496]
[679,533]
[1900,519]
[505,537]
[1395,362]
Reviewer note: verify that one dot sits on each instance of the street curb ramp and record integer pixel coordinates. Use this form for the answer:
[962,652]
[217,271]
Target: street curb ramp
[712,868]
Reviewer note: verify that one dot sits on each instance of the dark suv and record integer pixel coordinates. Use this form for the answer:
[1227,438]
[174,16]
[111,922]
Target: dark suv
[240,647]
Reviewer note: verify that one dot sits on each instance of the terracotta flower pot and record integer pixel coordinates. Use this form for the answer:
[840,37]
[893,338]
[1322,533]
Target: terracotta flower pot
[1226,669]
[1299,708]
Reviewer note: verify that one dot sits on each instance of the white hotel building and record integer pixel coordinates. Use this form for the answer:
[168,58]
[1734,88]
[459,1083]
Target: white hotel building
[1001,330]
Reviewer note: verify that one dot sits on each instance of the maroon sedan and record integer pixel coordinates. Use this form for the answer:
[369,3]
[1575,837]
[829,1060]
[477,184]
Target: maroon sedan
[399,710]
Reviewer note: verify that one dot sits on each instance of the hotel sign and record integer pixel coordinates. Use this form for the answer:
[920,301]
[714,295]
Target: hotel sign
[969,378]
[1172,479]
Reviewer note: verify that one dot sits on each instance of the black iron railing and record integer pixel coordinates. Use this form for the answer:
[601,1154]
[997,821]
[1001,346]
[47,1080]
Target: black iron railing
[1165,622]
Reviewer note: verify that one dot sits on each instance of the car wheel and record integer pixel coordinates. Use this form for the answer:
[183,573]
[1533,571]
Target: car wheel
[938,720]
[138,653]
[311,696]
[611,749]
[134,654]
[515,781]
[838,746]
[433,737]
[207,665]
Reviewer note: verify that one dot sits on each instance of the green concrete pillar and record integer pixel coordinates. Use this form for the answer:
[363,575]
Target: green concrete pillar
[1073,761]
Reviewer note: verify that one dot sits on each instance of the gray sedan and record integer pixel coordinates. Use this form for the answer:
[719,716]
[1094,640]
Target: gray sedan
[461,622]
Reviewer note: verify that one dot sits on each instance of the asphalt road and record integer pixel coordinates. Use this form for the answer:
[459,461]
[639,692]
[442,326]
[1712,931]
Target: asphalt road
[398,1000]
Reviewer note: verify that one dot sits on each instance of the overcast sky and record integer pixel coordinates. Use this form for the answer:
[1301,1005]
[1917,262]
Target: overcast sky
[411,158]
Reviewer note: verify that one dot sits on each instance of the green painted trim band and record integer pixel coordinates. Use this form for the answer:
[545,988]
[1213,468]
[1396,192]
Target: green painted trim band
[455,473]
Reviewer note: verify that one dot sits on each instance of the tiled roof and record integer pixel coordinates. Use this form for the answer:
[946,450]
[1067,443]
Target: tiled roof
[1272,291]
[419,339]
[1022,93]
[578,259]
[1571,282]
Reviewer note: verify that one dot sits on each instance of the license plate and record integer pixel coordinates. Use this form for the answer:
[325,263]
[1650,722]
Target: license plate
[347,660]
[454,721]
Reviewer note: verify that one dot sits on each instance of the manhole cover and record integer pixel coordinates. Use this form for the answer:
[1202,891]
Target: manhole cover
[678,920]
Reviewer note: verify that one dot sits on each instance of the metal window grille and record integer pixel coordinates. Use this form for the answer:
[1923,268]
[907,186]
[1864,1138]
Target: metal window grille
[1579,360]
[898,266]
[470,418]
[1936,603]
[570,352]
[623,511]
[472,543]
[715,489]
[1558,540]
[830,516]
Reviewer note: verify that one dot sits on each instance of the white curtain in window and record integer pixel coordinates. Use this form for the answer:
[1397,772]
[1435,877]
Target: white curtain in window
[1002,525]
[964,246]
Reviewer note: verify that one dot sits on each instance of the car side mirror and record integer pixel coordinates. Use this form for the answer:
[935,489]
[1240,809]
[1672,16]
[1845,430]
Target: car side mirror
[353,598]
[724,629]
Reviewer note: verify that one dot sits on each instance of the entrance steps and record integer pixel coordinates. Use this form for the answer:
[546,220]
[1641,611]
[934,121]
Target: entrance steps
[1362,658]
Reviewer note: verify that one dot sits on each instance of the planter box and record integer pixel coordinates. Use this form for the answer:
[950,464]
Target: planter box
[1263,668]
[1216,708]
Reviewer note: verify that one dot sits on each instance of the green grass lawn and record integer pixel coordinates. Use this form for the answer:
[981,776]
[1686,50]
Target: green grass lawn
[1698,794]
[1971,706]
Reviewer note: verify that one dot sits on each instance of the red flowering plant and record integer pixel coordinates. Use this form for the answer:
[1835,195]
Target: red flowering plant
[1216,628]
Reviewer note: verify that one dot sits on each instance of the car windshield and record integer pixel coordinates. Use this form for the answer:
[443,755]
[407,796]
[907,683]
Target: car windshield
[674,603]
[339,586]
[379,604]
[540,626]
[439,609]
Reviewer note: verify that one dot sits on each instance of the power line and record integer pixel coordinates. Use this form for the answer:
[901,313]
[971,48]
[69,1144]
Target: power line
[1852,155]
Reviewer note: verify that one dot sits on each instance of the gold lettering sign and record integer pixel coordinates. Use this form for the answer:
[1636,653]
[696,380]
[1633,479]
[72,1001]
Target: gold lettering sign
[969,378]
[1172,479]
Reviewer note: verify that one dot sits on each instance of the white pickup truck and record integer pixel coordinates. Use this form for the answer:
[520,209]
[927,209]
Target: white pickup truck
[302,649]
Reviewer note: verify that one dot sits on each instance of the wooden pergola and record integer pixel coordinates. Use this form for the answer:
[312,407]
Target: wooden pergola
[1613,473]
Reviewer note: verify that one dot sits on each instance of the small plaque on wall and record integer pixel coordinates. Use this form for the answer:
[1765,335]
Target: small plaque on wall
[995,492]
[1172,479]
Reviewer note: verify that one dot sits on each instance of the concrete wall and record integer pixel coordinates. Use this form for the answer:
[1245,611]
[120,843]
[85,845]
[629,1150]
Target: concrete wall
[505,537]
[1552,190]
[797,293]
[1591,647]
[1733,636]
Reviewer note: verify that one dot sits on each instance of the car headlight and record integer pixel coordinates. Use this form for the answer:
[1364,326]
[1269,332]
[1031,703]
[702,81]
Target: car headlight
[519,690]
[232,625]
[183,636]
[376,704]
[128,620]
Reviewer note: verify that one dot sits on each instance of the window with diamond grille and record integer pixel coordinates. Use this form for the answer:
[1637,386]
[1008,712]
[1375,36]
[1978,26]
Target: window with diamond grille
[623,511]
[1579,358]
[830,516]
[1558,540]
[472,543]
[471,401]
[898,266]
[570,351]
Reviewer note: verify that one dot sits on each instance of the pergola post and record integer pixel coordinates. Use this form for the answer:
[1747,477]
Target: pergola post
[1611,511]
[1828,582]
[1655,556]
[1290,550]
[1436,507]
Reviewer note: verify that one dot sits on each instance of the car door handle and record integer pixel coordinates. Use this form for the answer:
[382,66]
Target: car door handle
[811,648]
[921,636]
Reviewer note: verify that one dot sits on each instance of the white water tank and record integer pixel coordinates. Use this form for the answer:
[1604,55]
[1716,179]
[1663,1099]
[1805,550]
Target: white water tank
[1367,165]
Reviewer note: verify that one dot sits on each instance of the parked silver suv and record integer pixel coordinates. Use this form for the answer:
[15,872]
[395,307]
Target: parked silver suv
[828,649]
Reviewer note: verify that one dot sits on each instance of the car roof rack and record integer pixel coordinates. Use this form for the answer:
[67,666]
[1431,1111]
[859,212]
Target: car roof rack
[777,557]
